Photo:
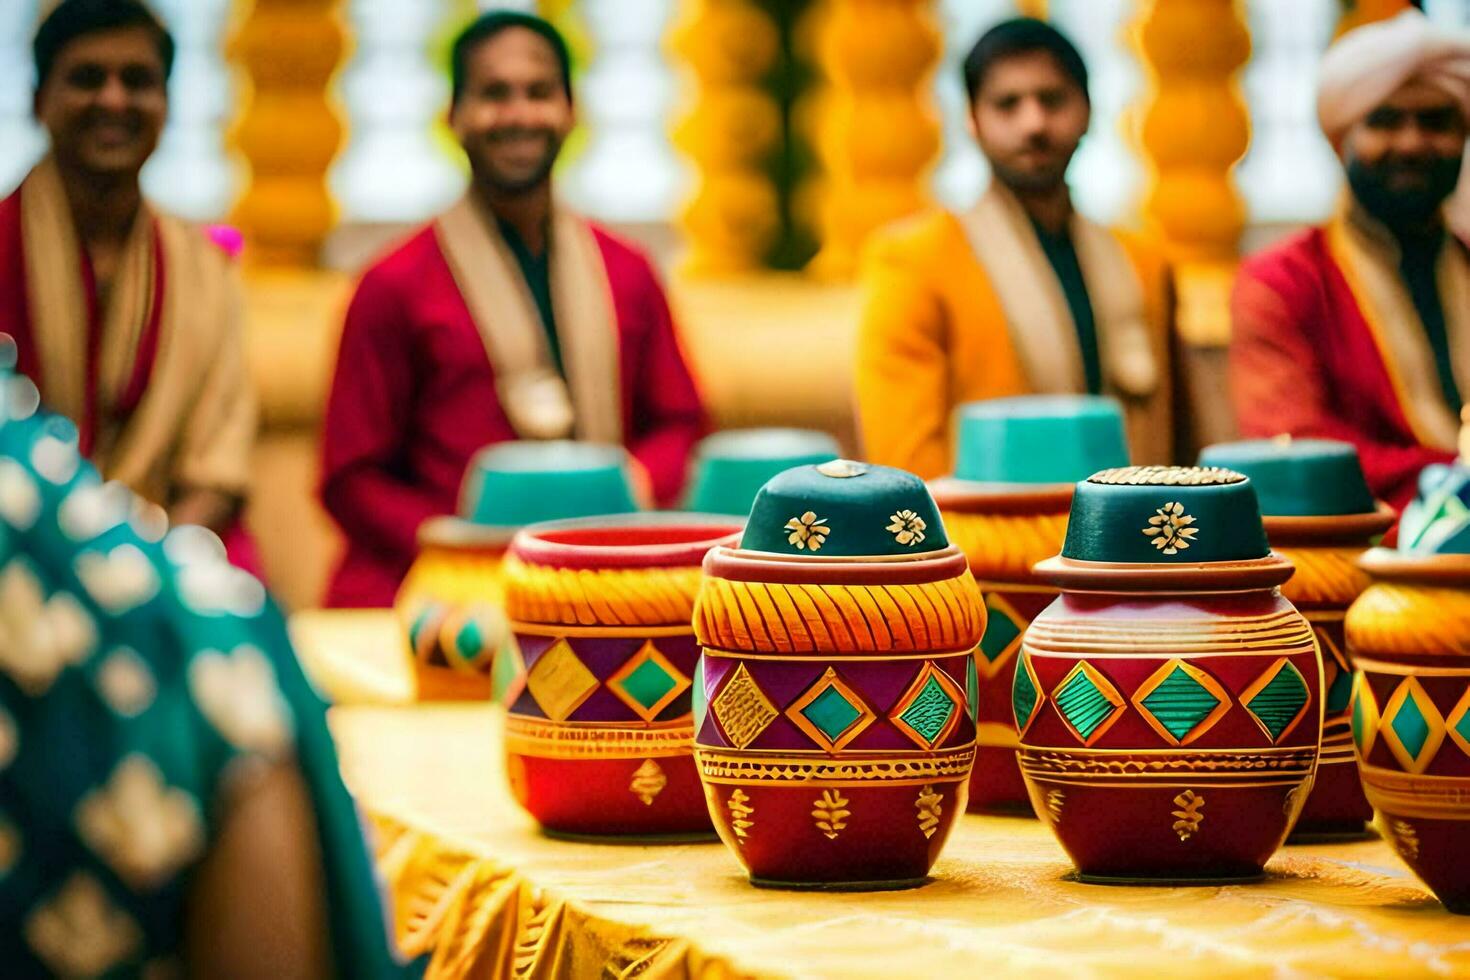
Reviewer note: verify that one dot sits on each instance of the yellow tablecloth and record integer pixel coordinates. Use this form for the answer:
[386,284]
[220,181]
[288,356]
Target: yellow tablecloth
[475,883]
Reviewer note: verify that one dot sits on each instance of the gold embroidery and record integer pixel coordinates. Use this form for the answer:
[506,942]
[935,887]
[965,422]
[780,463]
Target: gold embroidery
[237,692]
[10,846]
[829,814]
[142,827]
[807,531]
[39,637]
[79,932]
[1170,528]
[907,528]
[928,805]
[1189,816]
[125,683]
[648,782]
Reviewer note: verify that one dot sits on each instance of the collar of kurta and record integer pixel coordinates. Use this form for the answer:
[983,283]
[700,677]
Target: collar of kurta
[1367,254]
[1039,321]
[538,401]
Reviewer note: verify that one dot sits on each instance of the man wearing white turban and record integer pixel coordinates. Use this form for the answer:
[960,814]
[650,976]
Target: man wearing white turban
[1360,329]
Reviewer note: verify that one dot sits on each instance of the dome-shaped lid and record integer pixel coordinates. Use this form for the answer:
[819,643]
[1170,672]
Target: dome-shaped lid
[1298,477]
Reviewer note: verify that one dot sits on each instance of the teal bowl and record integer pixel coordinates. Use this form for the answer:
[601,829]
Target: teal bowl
[1039,439]
[513,484]
[731,467]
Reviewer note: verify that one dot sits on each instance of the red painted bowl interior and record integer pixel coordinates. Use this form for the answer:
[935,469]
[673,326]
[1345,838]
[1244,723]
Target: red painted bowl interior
[623,545]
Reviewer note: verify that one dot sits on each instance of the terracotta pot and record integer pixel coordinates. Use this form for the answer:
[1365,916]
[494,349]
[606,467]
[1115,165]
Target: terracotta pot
[836,734]
[1004,530]
[598,727]
[1169,701]
[1409,636]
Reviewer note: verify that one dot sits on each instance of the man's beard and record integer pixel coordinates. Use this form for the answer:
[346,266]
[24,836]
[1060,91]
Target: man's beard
[1404,207]
[1031,181]
[501,183]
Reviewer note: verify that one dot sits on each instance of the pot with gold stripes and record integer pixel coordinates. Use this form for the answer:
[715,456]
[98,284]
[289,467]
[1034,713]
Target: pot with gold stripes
[598,727]
[834,717]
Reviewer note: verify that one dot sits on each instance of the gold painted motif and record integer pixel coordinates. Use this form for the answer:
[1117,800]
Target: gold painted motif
[829,813]
[1167,476]
[648,782]
[1055,799]
[1188,816]
[807,531]
[741,814]
[1411,689]
[1423,797]
[841,469]
[1405,838]
[1283,765]
[559,681]
[907,528]
[1170,528]
[915,690]
[10,845]
[742,709]
[928,805]
[916,769]
[544,739]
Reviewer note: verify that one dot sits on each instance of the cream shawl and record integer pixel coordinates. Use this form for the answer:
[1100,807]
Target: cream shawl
[195,424]
[539,403]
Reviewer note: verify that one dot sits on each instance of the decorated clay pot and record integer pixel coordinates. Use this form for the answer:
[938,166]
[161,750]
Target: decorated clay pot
[835,725]
[1320,515]
[451,601]
[598,730]
[730,467]
[1016,461]
[1169,702]
[1409,637]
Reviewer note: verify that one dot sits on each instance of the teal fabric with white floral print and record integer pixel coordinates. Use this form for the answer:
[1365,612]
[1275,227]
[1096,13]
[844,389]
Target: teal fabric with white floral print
[140,675]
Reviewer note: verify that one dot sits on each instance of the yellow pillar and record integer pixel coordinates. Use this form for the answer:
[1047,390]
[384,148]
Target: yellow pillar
[1195,129]
[289,132]
[728,131]
[877,131]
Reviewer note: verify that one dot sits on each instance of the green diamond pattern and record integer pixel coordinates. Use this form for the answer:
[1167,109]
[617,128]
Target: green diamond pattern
[1083,705]
[1410,725]
[1340,692]
[1360,720]
[972,689]
[1463,726]
[648,683]
[930,711]
[1280,701]
[1180,703]
[831,713]
[1000,631]
[1023,696]
[470,640]
[696,696]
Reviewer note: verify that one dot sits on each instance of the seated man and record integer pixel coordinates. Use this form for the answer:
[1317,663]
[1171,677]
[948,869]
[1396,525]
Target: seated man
[506,318]
[1020,294]
[1360,329]
[127,320]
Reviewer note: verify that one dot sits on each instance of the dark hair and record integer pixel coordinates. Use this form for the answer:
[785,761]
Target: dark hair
[487,26]
[1022,35]
[77,18]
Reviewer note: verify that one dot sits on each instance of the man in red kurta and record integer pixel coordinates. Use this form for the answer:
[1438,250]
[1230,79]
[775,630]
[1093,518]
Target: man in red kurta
[1360,330]
[508,317]
[127,320]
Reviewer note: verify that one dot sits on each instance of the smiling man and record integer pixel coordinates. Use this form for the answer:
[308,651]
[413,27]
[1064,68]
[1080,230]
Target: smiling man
[1360,329]
[508,317]
[127,320]
[1020,294]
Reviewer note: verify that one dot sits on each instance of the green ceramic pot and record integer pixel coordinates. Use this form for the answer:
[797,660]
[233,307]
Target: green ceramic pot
[1298,477]
[1039,439]
[731,467]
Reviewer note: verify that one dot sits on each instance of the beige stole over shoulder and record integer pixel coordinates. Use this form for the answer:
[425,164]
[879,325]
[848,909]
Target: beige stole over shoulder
[195,424]
[1368,257]
[586,405]
[1037,316]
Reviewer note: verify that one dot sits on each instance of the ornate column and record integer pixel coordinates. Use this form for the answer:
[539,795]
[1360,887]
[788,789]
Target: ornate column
[727,132]
[877,131]
[289,132]
[1194,130]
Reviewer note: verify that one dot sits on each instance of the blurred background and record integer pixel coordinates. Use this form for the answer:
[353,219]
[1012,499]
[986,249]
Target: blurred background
[749,145]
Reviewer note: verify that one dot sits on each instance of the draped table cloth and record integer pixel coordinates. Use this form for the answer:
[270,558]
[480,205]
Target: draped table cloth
[481,892]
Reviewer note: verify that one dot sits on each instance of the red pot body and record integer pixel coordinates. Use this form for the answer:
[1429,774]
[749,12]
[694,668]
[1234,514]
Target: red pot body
[598,728]
[867,801]
[1142,782]
[1003,530]
[1409,636]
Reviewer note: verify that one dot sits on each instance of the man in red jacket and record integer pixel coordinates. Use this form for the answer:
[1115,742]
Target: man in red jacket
[508,317]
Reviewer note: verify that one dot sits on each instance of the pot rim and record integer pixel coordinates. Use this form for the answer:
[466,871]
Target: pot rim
[452,533]
[1294,530]
[1253,574]
[739,565]
[671,539]
[1388,565]
[970,496]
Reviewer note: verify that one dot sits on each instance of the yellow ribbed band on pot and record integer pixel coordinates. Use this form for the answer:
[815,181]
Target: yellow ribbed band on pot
[1324,576]
[829,618]
[452,576]
[1004,546]
[601,596]
[1394,620]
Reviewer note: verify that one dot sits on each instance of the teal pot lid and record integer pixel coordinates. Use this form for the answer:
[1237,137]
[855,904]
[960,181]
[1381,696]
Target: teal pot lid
[731,467]
[1038,439]
[512,484]
[1298,477]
